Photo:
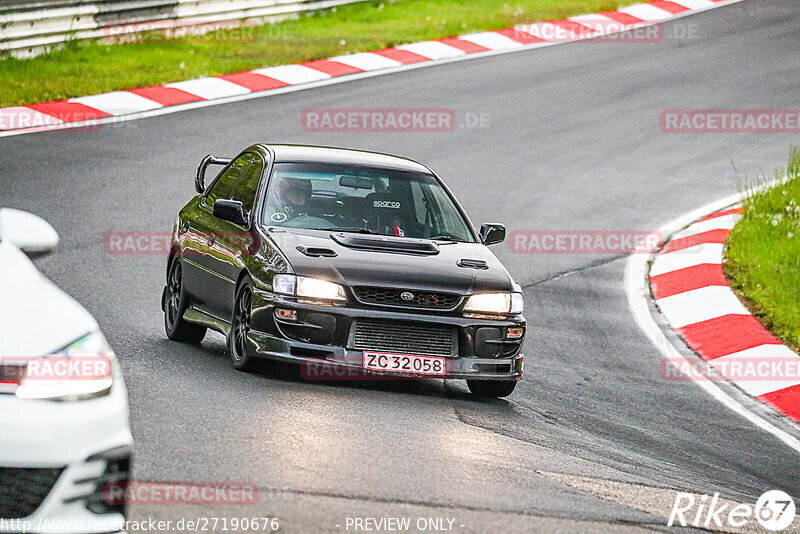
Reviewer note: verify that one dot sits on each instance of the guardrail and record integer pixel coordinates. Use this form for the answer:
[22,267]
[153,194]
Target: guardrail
[28,28]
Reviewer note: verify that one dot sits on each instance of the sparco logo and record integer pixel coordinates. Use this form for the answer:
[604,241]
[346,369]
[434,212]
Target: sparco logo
[386,204]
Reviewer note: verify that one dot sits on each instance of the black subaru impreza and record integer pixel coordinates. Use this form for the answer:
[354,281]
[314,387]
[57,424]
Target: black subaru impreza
[343,258]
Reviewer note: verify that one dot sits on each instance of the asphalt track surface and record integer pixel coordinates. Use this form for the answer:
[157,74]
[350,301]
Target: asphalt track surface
[572,143]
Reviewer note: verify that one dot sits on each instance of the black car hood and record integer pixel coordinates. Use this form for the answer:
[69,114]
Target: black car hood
[356,266]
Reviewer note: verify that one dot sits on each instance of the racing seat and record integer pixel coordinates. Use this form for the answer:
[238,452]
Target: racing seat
[385,214]
[352,209]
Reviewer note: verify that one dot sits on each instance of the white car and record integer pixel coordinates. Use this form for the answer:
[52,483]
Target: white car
[64,436]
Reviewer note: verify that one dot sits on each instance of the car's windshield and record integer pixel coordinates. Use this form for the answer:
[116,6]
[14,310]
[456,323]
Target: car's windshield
[362,199]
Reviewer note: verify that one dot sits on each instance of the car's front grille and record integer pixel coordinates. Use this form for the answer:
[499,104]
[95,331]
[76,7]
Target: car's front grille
[388,296]
[403,337]
[23,489]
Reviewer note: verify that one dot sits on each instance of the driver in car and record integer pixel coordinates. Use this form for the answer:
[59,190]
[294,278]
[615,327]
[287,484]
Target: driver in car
[289,199]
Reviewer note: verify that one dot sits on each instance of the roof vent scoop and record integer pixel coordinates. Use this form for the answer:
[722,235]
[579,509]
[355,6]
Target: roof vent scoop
[383,243]
[473,264]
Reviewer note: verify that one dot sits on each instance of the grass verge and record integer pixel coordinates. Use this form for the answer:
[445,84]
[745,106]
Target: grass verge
[92,67]
[763,255]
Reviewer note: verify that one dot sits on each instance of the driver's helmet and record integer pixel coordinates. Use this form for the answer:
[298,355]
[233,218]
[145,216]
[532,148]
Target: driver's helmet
[292,194]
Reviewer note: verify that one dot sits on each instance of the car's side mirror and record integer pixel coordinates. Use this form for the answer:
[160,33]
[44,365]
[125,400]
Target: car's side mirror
[30,233]
[230,210]
[200,176]
[492,233]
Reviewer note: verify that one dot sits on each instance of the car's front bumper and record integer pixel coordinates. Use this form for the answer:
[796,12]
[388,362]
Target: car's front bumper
[79,441]
[342,364]
[321,339]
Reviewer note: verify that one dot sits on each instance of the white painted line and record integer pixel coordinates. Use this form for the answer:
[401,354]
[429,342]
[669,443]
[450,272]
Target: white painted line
[772,356]
[687,257]
[638,292]
[432,49]
[210,88]
[22,117]
[726,222]
[646,12]
[293,74]
[491,40]
[367,61]
[699,305]
[695,4]
[118,103]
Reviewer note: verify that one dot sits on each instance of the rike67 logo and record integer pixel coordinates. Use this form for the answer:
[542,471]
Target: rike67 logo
[774,510]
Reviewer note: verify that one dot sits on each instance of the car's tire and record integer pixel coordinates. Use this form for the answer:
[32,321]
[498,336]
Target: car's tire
[175,304]
[492,388]
[240,325]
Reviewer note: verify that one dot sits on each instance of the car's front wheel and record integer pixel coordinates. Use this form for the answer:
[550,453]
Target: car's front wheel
[491,388]
[174,305]
[240,326]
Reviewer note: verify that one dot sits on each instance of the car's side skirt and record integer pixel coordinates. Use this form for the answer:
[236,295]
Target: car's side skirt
[196,316]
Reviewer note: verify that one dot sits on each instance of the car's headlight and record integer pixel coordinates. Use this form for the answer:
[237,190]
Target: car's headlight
[81,370]
[495,303]
[307,287]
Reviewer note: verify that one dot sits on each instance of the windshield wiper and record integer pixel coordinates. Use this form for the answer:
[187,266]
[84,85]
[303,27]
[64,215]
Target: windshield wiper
[353,229]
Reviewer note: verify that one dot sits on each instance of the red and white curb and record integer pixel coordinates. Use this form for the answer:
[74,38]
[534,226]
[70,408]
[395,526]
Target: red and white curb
[148,101]
[690,290]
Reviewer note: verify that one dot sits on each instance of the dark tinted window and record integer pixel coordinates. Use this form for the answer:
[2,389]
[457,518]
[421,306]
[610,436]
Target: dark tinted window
[238,181]
[361,199]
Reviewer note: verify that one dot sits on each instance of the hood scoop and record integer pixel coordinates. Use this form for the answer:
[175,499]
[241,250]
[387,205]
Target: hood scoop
[317,252]
[384,243]
[473,264]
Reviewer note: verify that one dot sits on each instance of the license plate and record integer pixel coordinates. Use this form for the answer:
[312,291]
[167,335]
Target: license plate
[404,363]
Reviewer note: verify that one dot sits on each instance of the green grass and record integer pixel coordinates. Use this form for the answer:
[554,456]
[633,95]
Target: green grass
[93,67]
[763,255]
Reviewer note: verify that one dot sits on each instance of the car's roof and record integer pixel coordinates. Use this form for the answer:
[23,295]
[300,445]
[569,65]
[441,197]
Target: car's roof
[343,156]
